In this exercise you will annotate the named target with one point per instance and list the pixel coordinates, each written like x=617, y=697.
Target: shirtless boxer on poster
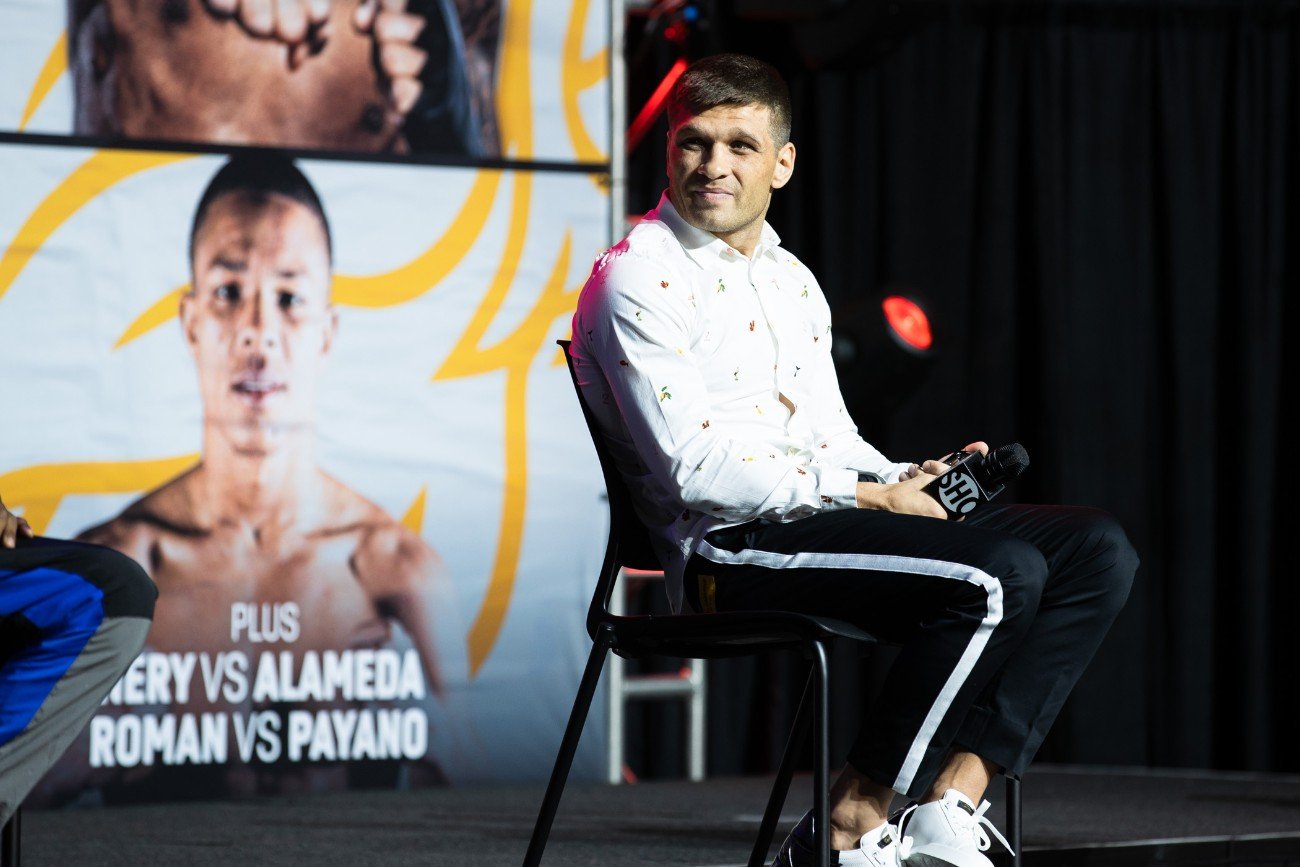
x=361, y=75
x=257, y=521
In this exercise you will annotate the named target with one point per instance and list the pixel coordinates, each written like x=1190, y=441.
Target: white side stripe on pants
x=887, y=563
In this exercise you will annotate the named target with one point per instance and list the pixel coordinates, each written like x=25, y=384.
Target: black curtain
x=1097, y=203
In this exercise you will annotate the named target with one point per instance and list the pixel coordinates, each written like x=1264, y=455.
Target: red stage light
x=650, y=111
x=908, y=322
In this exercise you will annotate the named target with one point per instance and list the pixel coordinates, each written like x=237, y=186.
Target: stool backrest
x=629, y=542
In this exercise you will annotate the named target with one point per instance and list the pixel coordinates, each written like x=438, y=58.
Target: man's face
x=722, y=168
x=258, y=318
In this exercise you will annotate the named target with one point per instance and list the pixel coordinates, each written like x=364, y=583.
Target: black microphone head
x=1004, y=463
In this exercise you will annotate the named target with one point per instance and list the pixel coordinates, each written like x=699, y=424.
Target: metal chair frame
x=706, y=636
x=11, y=838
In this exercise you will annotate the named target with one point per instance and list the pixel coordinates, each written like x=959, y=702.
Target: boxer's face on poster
x=259, y=320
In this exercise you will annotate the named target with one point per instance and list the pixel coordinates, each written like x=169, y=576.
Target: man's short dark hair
x=733, y=79
x=260, y=174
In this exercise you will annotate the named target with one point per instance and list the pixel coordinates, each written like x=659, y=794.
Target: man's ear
x=784, y=165
x=331, y=330
x=187, y=315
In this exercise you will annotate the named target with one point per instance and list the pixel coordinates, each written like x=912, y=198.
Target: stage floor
x=1072, y=816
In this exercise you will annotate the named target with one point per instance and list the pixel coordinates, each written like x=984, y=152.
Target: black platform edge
x=1256, y=850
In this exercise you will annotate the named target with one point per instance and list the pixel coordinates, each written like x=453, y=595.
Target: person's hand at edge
x=11, y=526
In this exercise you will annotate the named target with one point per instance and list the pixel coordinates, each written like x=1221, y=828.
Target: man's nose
x=714, y=164
x=260, y=330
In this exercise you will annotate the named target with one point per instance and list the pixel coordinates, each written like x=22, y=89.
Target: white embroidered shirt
x=710, y=376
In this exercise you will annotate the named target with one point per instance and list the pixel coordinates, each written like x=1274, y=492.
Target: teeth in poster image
x=430, y=78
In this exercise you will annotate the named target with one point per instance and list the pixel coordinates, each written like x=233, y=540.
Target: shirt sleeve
x=640, y=323
x=833, y=428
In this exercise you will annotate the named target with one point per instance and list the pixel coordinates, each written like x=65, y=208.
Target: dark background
x=1096, y=203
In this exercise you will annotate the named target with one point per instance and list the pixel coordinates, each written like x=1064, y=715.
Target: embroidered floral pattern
x=664, y=394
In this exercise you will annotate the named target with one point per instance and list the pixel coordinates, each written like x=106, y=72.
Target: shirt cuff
x=841, y=486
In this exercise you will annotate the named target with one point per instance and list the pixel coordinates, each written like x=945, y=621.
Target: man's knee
x=1021, y=572
x=1012, y=574
x=1105, y=556
x=128, y=589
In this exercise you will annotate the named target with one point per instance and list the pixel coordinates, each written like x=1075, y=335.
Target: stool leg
x=568, y=746
x=781, y=786
x=1013, y=819
x=11, y=840
x=821, y=760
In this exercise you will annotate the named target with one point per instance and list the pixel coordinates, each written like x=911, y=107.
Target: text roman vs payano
x=235, y=683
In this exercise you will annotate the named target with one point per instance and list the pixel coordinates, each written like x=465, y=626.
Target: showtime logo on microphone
x=958, y=491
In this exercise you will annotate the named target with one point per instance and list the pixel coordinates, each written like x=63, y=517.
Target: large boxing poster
x=319, y=399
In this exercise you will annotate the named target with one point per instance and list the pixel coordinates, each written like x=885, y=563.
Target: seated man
x=72, y=618
x=704, y=349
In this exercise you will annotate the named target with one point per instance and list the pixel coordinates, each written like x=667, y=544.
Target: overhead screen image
x=427, y=77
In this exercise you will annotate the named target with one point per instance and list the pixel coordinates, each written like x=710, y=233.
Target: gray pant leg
x=69, y=706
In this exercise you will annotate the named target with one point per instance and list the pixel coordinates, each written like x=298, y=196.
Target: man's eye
x=290, y=300
x=228, y=292
x=742, y=146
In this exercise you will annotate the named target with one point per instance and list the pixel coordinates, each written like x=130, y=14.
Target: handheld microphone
x=975, y=479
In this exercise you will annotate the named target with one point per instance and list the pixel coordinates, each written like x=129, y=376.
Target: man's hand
x=11, y=526
x=400, y=61
x=905, y=497
x=940, y=466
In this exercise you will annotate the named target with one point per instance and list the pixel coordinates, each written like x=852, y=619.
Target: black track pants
x=997, y=617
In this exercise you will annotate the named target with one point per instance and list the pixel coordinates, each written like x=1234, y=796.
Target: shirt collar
x=702, y=246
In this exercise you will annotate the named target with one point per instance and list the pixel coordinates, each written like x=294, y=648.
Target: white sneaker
x=949, y=832
x=878, y=848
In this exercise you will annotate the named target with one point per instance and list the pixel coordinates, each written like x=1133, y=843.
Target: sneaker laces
x=978, y=826
x=904, y=848
x=974, y=824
